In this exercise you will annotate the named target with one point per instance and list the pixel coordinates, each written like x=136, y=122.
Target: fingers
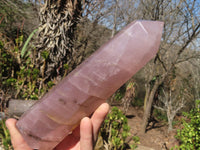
x=98, y=118
x=88, y=131
x=86, y=140
x=16, y=138
x=71, y=141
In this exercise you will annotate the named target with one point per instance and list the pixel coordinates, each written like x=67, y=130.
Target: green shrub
x=115, y=131
x=137, y=102
x=5, y=136
x=189, y=135
x=6, y=63
x=136, y=141
x=19, y=76
x=160, y=115
x=119, y=94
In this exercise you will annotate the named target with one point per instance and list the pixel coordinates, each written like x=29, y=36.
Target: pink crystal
x=90, y=84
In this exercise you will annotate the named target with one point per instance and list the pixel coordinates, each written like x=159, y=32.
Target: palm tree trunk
x=55, y=47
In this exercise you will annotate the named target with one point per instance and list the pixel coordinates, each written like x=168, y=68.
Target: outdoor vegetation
x=42, y=41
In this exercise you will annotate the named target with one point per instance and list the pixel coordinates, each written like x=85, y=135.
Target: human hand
x=82, y=138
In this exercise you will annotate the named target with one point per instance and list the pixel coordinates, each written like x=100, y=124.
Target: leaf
x=24, y=49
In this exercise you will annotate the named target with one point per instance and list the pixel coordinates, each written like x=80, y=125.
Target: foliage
x=17, y=17
x=189, y=135
x=19, y=75
x=160, y=115
x=115, y=131
x=24, y=49
x=136, y=141
x=7, y=67
x=5, y=136
x=137, y=102
x=119, y=94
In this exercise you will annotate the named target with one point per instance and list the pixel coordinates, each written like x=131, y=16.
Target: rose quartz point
x=50, y=120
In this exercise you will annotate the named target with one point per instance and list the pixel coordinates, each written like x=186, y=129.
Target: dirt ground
x=156, y=138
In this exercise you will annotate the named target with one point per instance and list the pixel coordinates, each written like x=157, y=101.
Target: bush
x=115, y=131
x=160, y=115
x=189, y=135
x=19, y=75
x=5, y=136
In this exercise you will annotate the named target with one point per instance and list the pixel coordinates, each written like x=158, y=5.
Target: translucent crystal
x=90, y=84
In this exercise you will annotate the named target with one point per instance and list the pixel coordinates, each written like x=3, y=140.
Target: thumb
x=16, y=138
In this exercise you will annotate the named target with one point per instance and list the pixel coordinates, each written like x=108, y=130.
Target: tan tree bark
x=55, y=46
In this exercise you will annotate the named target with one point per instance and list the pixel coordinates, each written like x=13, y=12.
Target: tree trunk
x=170, y=127
x=55, y=46
x=147, y=86
x=149, y=103
x=115, y=20
x=170, y=116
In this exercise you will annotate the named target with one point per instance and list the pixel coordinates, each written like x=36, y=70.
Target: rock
x=18, y=107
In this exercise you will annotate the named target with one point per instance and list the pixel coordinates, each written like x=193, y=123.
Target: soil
x=156, y=137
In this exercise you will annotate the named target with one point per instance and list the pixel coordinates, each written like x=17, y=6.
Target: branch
x=188, y=58
x=162, y=63
x=194, y=34
x=160, y=108
x=180, y=105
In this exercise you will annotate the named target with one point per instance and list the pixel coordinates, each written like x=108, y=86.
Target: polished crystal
x=90, y=84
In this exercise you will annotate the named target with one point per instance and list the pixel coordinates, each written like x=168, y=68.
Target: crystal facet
x=90, y=84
